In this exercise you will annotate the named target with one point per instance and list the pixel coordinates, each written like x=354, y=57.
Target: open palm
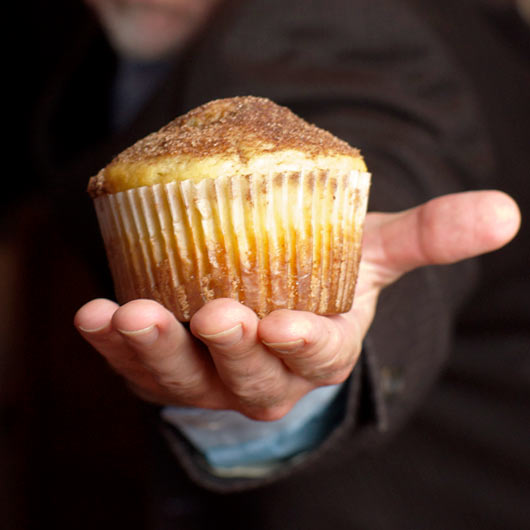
x=230, y=359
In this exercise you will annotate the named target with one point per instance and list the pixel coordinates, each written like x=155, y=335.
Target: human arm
x=263, y=368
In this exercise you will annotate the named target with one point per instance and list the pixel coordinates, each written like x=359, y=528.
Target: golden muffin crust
x=234, y=136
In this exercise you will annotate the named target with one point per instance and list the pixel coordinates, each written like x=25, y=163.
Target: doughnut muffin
x=238, y=198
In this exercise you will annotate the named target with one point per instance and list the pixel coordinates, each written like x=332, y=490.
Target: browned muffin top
x=217, y=136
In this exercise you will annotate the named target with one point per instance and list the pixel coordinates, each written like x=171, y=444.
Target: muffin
x=238, y=198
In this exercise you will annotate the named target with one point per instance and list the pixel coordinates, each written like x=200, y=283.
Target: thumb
x=444, y=230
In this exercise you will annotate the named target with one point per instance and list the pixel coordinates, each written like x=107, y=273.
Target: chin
x=146, y=39
x=146, y=34
x=144, y=49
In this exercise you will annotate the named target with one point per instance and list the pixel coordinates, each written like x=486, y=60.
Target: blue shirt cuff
x=227, y=439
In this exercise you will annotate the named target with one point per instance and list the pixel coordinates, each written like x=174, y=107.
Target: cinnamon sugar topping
x=223, y=126
x=237, y=128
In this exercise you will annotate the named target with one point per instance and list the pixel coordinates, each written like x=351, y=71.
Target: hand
x=232, y=360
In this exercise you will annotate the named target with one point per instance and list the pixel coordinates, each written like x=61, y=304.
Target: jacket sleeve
x=371, y=72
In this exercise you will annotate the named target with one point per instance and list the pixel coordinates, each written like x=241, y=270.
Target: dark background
x=74, y=447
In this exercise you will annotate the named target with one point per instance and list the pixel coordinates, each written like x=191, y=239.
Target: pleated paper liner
x=283, y=240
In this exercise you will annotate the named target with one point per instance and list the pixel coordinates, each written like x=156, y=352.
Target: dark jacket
x=375, y=73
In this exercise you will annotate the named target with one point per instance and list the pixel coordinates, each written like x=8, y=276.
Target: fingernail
x=226, y=338
x=285, y=347
x=144, y=336
x=92, y=330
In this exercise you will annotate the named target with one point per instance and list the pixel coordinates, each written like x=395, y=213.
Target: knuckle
x=328, y=351
x=333, y=378
x=266, y=412
x=262, y=399
x=187, y=390
x=142, y=392
x=252, y=387
x=333, y=364
x=335, y=347
x=334, y=372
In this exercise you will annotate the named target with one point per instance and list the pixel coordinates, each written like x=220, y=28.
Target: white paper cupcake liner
x=282, y=240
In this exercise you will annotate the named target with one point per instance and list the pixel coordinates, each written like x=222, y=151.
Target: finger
x=320, y=349
x=95, y=315
x=165, y=349
x=441, y=231
x=258, y=380
x=94, y=323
